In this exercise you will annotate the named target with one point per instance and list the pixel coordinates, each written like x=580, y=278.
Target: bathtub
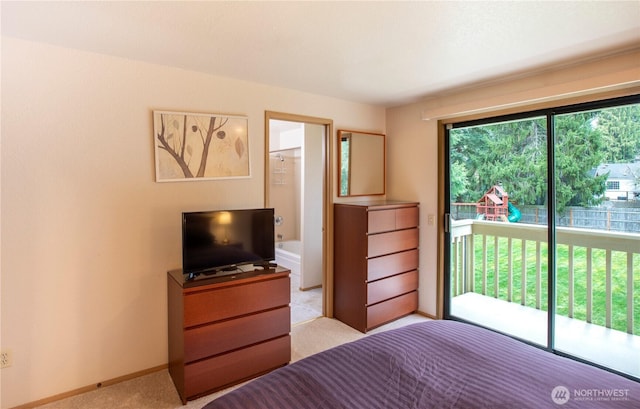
x=288, y=255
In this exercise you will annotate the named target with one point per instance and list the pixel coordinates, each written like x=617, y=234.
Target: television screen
x=223, y=239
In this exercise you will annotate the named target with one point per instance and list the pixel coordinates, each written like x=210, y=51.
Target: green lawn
x=618, y=282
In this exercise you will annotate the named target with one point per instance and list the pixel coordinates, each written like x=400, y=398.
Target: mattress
x=435, y=364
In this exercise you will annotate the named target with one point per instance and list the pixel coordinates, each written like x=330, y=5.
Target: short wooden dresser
x=375, y=262
x=227, y=329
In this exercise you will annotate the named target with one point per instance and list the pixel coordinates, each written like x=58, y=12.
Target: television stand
x=226, y=329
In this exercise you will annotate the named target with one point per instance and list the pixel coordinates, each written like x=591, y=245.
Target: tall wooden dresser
x=375, y=262
x=224, y=330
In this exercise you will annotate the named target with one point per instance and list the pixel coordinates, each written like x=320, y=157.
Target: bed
x=435, y=364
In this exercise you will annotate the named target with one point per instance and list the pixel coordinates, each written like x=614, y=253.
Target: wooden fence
x=622, y=219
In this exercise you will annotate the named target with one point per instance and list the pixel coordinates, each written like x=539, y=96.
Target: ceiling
x=378, y=52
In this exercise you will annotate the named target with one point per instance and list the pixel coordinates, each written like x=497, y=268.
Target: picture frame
x=197, y=146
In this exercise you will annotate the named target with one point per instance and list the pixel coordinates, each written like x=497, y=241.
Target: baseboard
x=424, y=314
x=90, y=388
x=310, y=288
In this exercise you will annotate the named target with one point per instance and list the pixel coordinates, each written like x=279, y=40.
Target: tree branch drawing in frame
x=190, y=146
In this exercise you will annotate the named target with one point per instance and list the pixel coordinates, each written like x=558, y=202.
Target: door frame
x=327, y=204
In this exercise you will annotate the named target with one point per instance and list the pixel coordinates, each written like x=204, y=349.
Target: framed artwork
x=191, y=146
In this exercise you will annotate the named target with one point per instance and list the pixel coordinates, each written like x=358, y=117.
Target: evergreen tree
x=513, y=154
x=509, y=153
x=620, y=128
x=458, y=182
x=579, y=150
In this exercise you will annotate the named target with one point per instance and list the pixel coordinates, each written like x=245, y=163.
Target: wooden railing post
x=470, y=266
x=509, y=269
x=538, y=276
x=484, y=264
x=523, y=274
x=608, y=297
x=571, y=281
x=589, y=285
x=496, y=267
x=630, y=293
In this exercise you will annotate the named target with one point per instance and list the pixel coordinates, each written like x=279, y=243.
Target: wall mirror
x=361, y=162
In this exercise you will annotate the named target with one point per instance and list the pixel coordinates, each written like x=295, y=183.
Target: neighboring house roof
x=619, y=171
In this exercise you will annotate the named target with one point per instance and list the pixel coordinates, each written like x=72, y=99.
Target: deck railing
x=508, y=261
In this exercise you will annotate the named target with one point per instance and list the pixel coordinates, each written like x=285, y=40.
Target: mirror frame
x=339, y=163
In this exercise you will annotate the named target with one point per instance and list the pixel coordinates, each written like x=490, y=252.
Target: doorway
x=296, y=186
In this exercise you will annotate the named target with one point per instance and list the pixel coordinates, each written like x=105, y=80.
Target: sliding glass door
x=499, y=260
x=597, y=297
x=544, y=229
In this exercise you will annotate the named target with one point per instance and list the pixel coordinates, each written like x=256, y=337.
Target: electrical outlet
x=5, y=359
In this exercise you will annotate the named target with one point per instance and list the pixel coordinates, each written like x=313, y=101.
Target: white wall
x=412, y=174
x=87, y=234
x=311, y=206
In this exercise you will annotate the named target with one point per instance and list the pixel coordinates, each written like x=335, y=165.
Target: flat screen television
x=222, y=240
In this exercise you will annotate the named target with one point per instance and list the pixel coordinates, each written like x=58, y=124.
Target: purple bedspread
x=436, y=364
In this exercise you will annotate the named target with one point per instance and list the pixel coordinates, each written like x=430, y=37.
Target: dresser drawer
x=222, y=336
x=222, y=370
x=389, y=310
x=227, y=302
x=407, y=217
x=381, y=220
x=391, y=264
x=392, y=219
x=392, y=242
x=390, y=287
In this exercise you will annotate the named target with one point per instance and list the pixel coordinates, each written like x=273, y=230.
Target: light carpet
x=156, y=390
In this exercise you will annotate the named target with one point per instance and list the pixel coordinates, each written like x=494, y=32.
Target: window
x=613, y=185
